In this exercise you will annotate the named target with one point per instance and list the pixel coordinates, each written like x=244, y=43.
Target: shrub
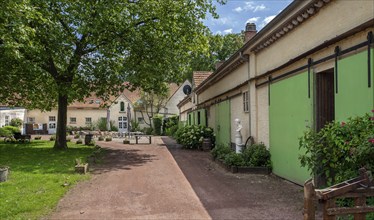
x=234, y=159
x=256, y=155
x=68, y=139
x=76, y=136
x=157, y=122
x=100, y=138
x=171, y=125
x=220, y=151
x=79, y=141
x=10, y=130
x=192, y=136
x=16, y=122
x=38, y=137
x=134, y=126
x=52, y=138
x=101, y=124
x=148, y=131
x=5, y=133
x=337, y=151
x=108, y=139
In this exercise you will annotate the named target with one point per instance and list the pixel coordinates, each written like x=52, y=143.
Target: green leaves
x=339, y=149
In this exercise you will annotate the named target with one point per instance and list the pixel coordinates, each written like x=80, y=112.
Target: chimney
x=250, y=31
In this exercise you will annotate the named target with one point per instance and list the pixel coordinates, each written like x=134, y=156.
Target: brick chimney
x=250, y=31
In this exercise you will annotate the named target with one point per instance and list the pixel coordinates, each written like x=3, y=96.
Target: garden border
x=236, y=169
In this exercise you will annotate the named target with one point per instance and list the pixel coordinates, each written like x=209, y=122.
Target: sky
x=234, y=15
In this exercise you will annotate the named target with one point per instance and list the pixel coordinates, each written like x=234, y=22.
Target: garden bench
x=22, y=137
x=137, y=137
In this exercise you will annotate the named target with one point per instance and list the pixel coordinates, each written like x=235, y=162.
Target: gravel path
x=137, y=182
x=237, y=196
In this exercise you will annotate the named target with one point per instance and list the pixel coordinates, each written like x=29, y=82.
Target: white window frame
x=52, y=118
x=88, y=120
x=31, y=120
x=246, y=101
x=73, y=121
x=7, y=120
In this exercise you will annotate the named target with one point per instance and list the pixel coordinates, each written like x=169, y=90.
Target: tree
x=16, y=122
x=151, y=103
x=55, y=52
x=221, y=47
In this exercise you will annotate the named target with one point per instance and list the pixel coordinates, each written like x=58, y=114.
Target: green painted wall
x=290, y=113
x=354, y=97
x=223, y=125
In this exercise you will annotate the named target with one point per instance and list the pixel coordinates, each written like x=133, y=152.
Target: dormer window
x=91, y=101
x=122, y=107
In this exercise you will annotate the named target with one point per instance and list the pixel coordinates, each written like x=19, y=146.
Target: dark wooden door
x=325, y=107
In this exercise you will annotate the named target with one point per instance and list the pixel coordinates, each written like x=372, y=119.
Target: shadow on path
x=122, y=159
x=236, y=196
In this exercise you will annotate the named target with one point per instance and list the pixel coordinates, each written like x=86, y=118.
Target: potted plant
x=108, y=139
x=4, y=173
x=126, y=141
x=80, y=167
x=100, y=138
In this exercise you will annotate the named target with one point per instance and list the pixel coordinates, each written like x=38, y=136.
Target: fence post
x=309, y=200
x=360, y=201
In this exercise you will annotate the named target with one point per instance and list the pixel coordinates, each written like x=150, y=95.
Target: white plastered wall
x=238, y=112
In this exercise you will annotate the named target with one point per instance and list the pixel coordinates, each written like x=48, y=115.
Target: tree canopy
x=220, y=48
x=58, y=51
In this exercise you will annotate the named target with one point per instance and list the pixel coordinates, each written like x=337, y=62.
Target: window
x=245, y=102
x=52, y=118
x=31, y=120
x=88, y=121
x=73, y=120
x=52, y=125
x=91, y=101
x=97, y=101
x=198, y=118
x=122, y=107
x=7, y=120
x=141, y=120
x=122, y=122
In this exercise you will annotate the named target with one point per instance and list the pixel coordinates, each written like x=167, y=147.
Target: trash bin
x=88, y=139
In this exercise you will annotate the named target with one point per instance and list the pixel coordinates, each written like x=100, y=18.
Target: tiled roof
x=199, y=77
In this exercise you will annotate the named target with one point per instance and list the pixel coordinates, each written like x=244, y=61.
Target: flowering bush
x=192, y=136
x=337, y=151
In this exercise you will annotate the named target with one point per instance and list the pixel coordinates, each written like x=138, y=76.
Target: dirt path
x=237, y=196
x=137, y=182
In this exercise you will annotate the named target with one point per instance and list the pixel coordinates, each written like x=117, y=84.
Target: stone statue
x=238, y=125
x=238, y=136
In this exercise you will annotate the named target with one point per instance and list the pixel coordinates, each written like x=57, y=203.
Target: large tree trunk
x=60, y=142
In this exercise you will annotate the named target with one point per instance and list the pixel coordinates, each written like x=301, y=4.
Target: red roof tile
x=199, y=77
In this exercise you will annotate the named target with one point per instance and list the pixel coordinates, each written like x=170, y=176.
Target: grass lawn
x=36, y=178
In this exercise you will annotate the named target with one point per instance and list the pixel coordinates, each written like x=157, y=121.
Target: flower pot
x=4, y=174
x=81, y=168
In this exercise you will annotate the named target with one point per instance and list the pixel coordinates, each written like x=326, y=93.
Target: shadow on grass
x=122, y=159
x=39, y=157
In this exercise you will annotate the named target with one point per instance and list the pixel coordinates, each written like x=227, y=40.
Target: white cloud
x=259, y=8
x=238, y=9
x=268, y=19
x=228, y=31
x=223, y=20
x=251, y=6
x=253, y=20
x=218, y=32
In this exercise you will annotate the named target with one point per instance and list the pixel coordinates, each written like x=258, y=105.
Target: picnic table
x=137, y=137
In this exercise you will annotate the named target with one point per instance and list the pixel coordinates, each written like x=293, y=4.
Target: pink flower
x=372, y=110
x=372, y=118
x=347, y=142
x=371, y=140
x=343, y=123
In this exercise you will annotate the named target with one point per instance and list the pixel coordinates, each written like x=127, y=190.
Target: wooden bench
x=137, y=137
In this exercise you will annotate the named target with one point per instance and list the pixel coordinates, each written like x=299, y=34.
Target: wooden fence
x=359, y=188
